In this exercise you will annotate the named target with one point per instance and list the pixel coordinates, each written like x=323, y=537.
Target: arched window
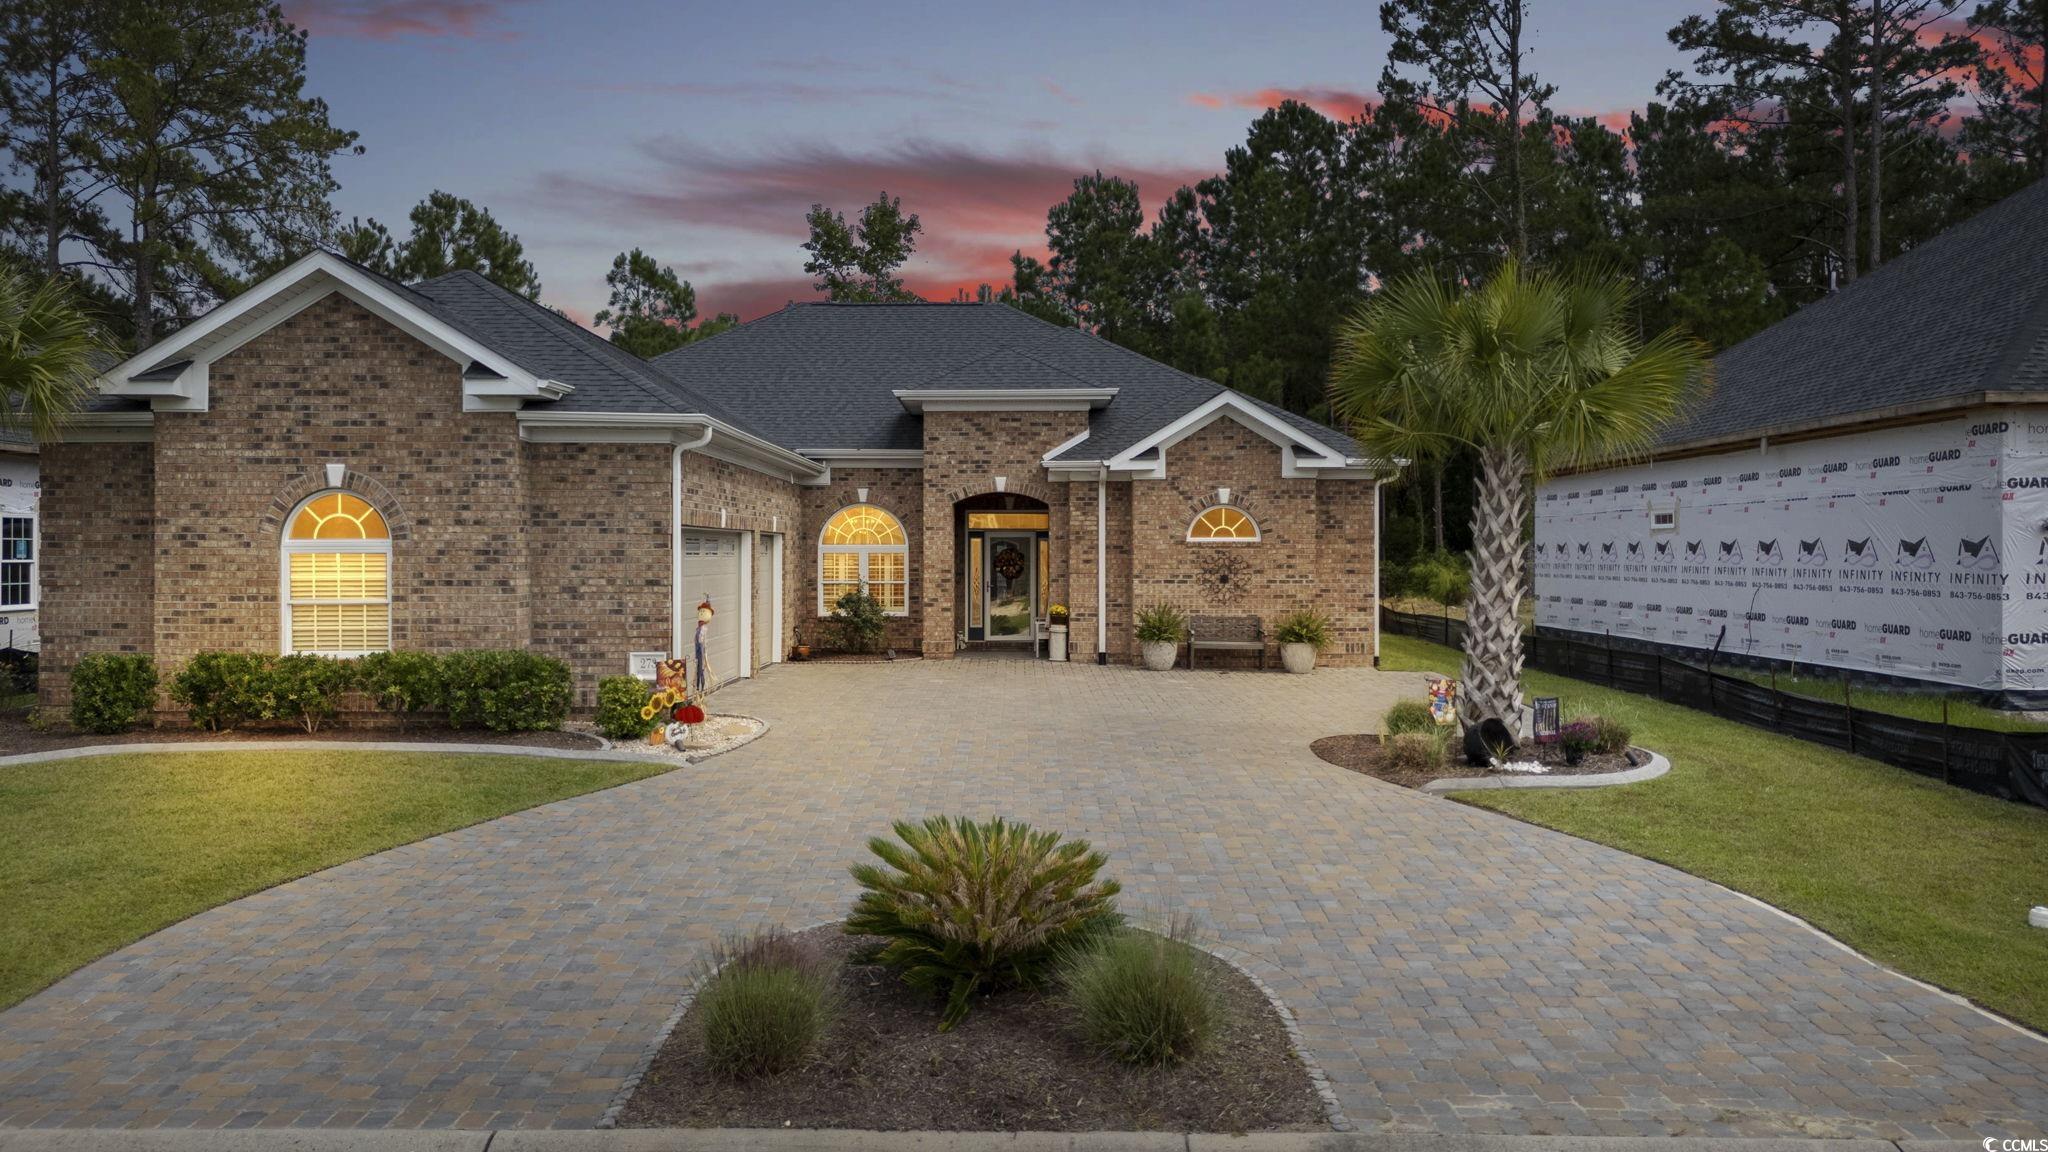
x=1223, y=523
x=863, y=545
x=337, y=577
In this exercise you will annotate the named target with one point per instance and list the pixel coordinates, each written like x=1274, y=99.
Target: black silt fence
x=2009, y=765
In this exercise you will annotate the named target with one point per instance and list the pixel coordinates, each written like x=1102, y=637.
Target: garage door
x=711, y=570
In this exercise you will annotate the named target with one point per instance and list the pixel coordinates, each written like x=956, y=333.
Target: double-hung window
x=17, y=561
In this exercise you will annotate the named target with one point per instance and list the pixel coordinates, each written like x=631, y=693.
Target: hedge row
x=504, y=691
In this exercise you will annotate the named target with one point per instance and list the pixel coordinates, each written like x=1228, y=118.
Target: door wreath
x=1009, y=563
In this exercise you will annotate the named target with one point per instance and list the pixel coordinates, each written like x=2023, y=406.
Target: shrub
x=1578, y=738
x=219, y=690
x=764, y=1006
x=18, y=671
x=967, y=905
x=304, y=689
x=505, y=690
x=1142, y=998
x=1408, y=716
x=1416, y=751
x=108, y=691
x=1161, y=624
x=404, y=684
x=1307, y=626
x=1612, y=736
x=620, y=700
x=1444, y=577
x=858, y=621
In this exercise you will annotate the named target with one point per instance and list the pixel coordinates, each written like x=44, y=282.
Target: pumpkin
x=688, y=714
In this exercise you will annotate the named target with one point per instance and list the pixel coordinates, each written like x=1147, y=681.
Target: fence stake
x=1660, y=675
x=1777, y=700
x=1848, y=713
x=1944, y=740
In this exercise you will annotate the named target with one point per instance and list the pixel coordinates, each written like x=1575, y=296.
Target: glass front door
x=1011, y=571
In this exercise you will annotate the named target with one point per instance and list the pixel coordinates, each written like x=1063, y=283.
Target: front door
x=1011, y=571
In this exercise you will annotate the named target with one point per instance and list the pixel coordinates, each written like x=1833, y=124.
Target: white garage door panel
x=711, y=570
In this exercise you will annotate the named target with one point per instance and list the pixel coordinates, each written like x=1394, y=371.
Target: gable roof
x=824, y=376
x=1964, y=314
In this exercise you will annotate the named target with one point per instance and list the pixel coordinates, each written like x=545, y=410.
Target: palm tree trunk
x=1493, y=635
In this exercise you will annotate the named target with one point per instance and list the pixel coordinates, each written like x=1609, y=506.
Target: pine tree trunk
x=53, y=176
x=1493, y=635
x=1514, y=111
x=1845, y=96
x=1437, y=481
x=145, y=285
x=1878, y=11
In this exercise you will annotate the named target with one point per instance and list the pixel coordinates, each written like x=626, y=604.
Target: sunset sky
x=703, y=132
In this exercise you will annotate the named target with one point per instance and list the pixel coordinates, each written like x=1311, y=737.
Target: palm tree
x=1534, y=371
x=50, y=349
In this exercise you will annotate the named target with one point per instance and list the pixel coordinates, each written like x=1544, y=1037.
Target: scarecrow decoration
x=703, y=638
x=672, y=695
x=1443, y=700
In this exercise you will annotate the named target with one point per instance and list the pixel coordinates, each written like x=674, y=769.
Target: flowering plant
x=1579, y=737
x=1057, y=614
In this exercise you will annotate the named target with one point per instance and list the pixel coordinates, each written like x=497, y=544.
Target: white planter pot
x=1299, y=659
x=1159, y=655
x=1056, y=643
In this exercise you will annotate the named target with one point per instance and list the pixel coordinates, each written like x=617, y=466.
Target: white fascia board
x=1003, y=399
x=1049, y=458
x=1230, y=404
x=284, y=294
x=107, y=428
x=865, y=457
x=730, y=444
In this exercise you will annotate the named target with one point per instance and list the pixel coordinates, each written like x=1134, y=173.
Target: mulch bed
x=1012, y=1065
x=817, y=657
x=17, y=737
x=1363, y=753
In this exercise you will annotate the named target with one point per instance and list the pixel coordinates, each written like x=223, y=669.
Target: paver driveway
x=1451, y=969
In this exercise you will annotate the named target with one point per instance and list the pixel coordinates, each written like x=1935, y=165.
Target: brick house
x=334, y=462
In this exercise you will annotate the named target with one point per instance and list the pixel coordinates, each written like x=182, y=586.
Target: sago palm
x=1533, y=371
x=49, y=351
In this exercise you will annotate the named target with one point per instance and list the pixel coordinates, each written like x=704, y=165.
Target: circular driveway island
x=1451, y=970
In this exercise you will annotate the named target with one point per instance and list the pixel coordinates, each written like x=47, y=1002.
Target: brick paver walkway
x=1454, y=971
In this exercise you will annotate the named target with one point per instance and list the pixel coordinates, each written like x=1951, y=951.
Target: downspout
x=675, y=544
x=1101, y=566
x=1378, y=529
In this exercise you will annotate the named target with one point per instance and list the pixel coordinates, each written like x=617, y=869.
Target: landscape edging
x=1657, y=766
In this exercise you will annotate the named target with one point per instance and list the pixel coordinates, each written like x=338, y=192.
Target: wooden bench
x=1226, y=634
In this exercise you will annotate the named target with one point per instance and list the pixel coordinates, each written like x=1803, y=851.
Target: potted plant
x=1160, y=630
x=1056, y=641
x=803, y=650
x=1302, y=634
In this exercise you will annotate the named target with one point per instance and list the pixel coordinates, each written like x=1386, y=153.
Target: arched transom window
x=863, y=545
x=337, y=577
x=1223, y=523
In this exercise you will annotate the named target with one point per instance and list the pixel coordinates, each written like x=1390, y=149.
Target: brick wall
x=599, y=543
x=749, y=502
x=897, y=491
x=1082, y=518
x=963, y=453
x=1314, y=551
x=337, y=383
x=97, y=570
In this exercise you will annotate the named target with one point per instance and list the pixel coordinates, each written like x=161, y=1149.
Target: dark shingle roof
x=605, y=377
x=1966, y=312
x=13, y=438
x=825, y=375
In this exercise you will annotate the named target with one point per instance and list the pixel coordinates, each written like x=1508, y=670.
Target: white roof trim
x=1227, y=403
x=287, y=292
x=1004, y=399
x=1048, y=459
x=731, y=444
x=866, y=457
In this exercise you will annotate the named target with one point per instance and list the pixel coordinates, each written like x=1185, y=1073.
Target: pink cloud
x=396, y=19
x=977, y=206
x=1336, y=103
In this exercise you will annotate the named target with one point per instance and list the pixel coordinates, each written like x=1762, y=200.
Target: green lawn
x=1926, y=878
x=101, y=852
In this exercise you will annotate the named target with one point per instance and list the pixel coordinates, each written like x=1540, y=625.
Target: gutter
x=1102, y=567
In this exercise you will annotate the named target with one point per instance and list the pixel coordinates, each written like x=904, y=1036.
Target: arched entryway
x=1003, y=568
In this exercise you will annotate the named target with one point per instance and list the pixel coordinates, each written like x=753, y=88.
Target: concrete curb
x=840, y=1140
x=605, y=751
x=1657, y=766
